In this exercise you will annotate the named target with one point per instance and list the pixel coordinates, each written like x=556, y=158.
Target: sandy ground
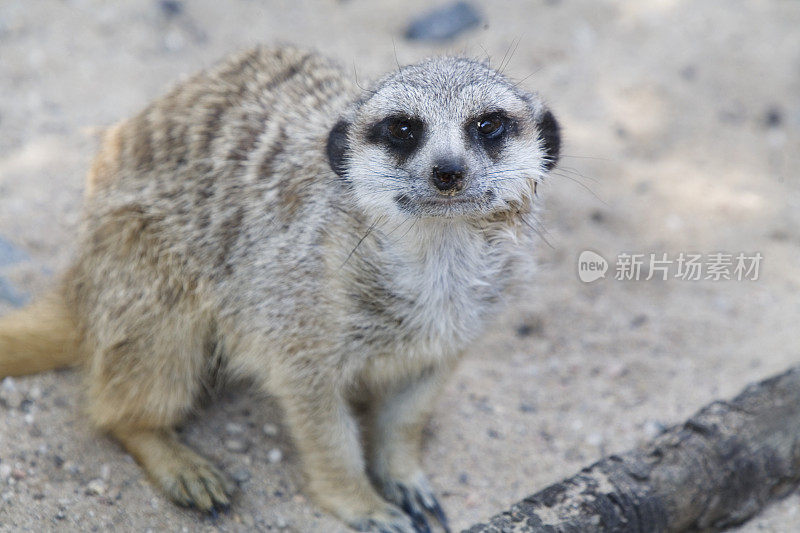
x=682, y=128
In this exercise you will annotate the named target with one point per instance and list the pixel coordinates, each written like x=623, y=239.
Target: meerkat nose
x=448, y=177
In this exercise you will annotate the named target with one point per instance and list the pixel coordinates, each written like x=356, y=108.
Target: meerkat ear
x=337, y=147
x=550, y=132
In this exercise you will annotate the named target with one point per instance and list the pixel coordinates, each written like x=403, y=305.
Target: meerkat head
x=447, y=137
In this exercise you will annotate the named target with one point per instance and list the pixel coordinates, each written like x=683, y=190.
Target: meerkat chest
x=445, y=289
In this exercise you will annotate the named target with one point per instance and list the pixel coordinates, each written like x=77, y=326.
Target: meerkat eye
x=398, y=133
x=401, y=130
x=490, y=126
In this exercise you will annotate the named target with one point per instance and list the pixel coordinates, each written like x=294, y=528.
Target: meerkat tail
x=39, y=337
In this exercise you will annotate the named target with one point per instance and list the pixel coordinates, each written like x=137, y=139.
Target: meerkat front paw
x=416, y=497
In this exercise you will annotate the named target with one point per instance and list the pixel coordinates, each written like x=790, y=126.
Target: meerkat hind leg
x=184, y=476
x=140, y=388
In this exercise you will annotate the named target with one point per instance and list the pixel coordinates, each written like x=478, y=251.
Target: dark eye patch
x=490, y=131
x=399, y=134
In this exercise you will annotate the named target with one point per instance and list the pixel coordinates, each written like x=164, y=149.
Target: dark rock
x=444, y=23
x=638, y=321
x=530, y=327
x=527, y=408
x=170, y=8
x=773, y=118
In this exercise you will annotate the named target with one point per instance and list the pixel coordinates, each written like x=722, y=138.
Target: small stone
x=18, y=474
x=532, y=326
x=95, y=487
x=26, y=406
x=594, y=439
x=232, y=428
x=72, y=468
x=105, y=500
x=5, y=471
x=241, y=475
x=444, y=23
x=598, y=217
x=174, y=40
x=527, y=408
x=281, y=522
x=105, y=472
x=236, y=445
x=493, y=434
x=270, y=430
x=274, y=455
x=616, y=370
x=463, y=478
x=58, y=461
x=10, y=396
x=653, y=428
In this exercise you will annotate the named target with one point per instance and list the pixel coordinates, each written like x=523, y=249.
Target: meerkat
x=339, y=247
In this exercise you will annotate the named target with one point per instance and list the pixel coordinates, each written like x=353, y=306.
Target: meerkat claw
x=414, y=511
x=436, y=510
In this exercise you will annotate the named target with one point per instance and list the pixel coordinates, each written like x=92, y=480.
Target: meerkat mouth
x=444, y=206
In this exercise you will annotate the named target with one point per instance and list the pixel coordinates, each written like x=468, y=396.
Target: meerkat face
x=448, y=137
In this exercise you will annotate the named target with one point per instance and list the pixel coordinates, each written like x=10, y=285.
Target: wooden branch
x=715, y=471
